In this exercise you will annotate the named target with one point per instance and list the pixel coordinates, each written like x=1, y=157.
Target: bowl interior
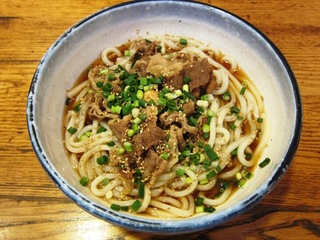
x=81, y=44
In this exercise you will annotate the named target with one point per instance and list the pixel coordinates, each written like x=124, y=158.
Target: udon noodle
x=165, y=126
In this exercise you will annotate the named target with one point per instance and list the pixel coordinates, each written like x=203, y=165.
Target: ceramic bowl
x=83, y=42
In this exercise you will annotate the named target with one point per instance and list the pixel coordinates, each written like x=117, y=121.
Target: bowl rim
x=144, y=224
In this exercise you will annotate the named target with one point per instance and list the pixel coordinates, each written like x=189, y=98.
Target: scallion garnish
x=102, y=159
x=77, y=108
x=136, y=205
x=84, y=181
x=72, y=130
x=234, y=110
x=211, y=174
x=210, y=153
x=183, y=41
x=264, y=162
x=115, y=207
x=226, y=95
x=180, y=172
x=111, y=144
x=209, y=209
x=259, y=120
x=128, y=146
x=243, y=90
x=141, y=190
x=105, y=181
x=101, y=129
x=198, y=201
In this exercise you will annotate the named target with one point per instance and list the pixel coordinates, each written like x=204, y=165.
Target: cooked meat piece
x=119, y=127
x=168, y=118
x=150, y=136
x=116, y=87
x=127, y=183
x=154, y=166
x=200, y=73
x=145, y=48
x=140, y=67
x=188, y=108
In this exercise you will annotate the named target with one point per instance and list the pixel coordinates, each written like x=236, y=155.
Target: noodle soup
x=165, y=126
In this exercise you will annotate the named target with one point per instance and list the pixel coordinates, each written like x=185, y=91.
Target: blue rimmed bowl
x=82, y=43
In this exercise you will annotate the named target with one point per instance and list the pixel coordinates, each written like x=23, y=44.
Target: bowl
x=81, y=44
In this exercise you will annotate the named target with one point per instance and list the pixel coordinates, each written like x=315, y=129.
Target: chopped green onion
x=111, y=97
x=72, y=130
x=260, y=120
x=264, y=162
x=206, y=128
x=116, y=109
x=186, y=79
x=105, y=181
x=234, y=110
x=211, y=113
x=204, y=181
x=135, y=127
x=232, y=126
x=248, y=156
x=234, y=152
x=84, y=181
x=131, y=132
x=239, y=118
x=127, y=53
x=141, y=190
x=111, y=144
x=148, y=41
x=243, y=90
x=199, y=201
x=111, y=76
x=165, y=156
x=183, y=41
x=218, y=168
x=102, y=159
x=199, y=209
x=180, y=172
x=128, y=146
x=120, y=151
x=104, y=71
x=144, y=81
x=107, y=87
x=139, y=94
x=99, y=84
x=77, y=108
x=226, y=95
x=211, y=174
x=101, y=129
x=125, y=209
x=241, y=182
x=115, y=207
x=188, y=95
x=162, y=102
x=210, y=153
x=136, y=205
x=209, y=209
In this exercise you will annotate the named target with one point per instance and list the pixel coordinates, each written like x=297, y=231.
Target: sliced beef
x=200, y=73
x=188, y=108
x=119, y=127
x=154, y=166
x=151, y=135
x=168, y=118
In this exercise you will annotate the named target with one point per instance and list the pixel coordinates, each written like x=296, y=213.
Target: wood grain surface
x=32, y=207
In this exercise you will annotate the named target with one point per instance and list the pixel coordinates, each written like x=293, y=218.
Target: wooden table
x=31, y=207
